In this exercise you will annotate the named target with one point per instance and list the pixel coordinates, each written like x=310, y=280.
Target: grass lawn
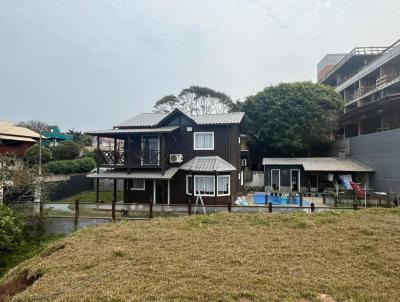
x=350, y=256
x=90, y=196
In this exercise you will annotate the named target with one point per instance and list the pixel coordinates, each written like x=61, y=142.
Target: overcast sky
x=89, y=64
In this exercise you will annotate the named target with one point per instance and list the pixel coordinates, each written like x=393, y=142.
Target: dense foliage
x=196, y=100
x=31, y=155
x=80, y=165
x=291, y=119
x=81, y=138
x=11, y=229
x=65, y=151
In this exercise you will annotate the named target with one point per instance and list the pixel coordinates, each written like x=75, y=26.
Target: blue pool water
x=259, y=198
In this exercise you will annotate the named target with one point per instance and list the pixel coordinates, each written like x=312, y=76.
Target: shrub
x=66, y=150
x=11, y=229
x=80, y=165
x=31, y=155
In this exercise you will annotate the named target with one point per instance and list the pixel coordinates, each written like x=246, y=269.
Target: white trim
x=298, y=180
x=229, y=185
x=187, y=184
x=169, y=192
x=279, y=179
x=154, y=191
x=203, y=176
x=194, y=140
x=138, y=189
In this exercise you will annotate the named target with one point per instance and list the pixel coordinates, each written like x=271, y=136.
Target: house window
x=189, y=184
x=223, y=185
x=150, y=150
x=204, y=185
x=137, y=185
x=203, y=140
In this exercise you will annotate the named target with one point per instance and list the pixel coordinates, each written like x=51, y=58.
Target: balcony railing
x=129, y=158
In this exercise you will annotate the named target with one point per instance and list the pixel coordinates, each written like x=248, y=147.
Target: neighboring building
x=105, y=143
x=312, y=174
x=368, y=79
x=55, y=136
x=14, y=140
x=327, y=63
x=168, y=156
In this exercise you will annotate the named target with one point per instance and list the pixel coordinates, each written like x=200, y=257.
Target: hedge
x=80, y=165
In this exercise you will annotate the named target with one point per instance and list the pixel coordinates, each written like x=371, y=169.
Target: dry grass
x=347, y=256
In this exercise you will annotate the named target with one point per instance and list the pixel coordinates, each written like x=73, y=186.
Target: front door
x=295, y=180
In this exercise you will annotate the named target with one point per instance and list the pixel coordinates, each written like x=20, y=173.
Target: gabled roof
x=9, y=129
x=155, y=119
x=327, y=164
x=207, y=164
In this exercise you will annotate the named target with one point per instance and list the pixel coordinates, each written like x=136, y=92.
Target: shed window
x=204, y=185
x=137, y=184
x=203, y=140
x=223, y=185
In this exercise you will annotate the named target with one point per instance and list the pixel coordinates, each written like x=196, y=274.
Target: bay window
x=204, y=185
x=223, y=185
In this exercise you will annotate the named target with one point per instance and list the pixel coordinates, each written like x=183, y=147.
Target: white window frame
x=194, y=140
x=138, y=189
x=298, y=181
x=279, y=178
x=229, y=185
x=203, y=176
x=187, y=184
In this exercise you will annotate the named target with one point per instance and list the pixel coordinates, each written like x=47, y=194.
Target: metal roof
x=144, y=174
x=17, y=138
x=153, y=119
x=12, y=130
x=207, y=164
x=139, y=130
x=328, y=164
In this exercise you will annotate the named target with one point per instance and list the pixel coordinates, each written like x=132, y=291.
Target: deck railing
x=129, y=158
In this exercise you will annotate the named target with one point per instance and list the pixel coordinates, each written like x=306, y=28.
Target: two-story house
x=174, y=157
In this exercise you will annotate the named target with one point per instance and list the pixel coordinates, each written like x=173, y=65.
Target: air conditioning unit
x=175, y=158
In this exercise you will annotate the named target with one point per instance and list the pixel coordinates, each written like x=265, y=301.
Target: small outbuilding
x=311, y=174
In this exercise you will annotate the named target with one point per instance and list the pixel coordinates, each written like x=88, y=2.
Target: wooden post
x=215, y=187
x=98, y=170
x=162, y=154
x=193, y=193
x=189, y=209
x=323, y=198
x=269, y=207
x=150, y=209
x=301, y=199
x=312, y=207
x=229, y=206
x=113, y=210
x=115, y=189
x=76, y=218
x=355, y=206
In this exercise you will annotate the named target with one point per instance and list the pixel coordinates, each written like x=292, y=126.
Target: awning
x=208, y=164
x=143, y=174
x=133, y=131
x=17, y=138
x=323, y=164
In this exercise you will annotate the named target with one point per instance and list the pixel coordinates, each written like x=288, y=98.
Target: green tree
x=80, y=138
x=196, y=100
x=31, y=155
x=66, y=150
x=291, y=119
x=11, y=229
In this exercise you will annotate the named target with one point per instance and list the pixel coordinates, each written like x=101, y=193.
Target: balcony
x=129, y=158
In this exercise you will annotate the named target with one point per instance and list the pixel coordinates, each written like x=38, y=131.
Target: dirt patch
x=18, y=284
x=50, y=251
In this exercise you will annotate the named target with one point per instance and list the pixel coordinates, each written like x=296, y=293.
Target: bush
x=11, y=230
x=66, y=150
x=31, y=155
x=81, y=165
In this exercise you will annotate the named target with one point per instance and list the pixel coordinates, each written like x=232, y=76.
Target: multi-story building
x=368, y=79
x=174, y=157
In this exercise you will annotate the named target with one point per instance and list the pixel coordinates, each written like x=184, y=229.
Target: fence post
x=300, y=199
x=266, y=198
x=151, y=209
x=189, y=209
x=269, y=207
x=113, y=210
x=355, y=206
x=76, y=218
x=312, y=207
x=229, y=206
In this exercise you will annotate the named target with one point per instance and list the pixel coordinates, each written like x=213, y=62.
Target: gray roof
x=152, y=119
x=327, y=164
x=139, y=130
x=207, y=164
x=143, y=174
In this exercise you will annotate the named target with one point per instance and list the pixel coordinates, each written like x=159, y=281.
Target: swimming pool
x=259, y=198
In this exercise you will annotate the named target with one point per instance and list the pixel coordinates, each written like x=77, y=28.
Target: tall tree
x=196, y=100
x=291, y=119
x=35, y=125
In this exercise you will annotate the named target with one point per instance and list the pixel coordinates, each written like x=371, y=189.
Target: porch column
x=98, y=169
x=169, y=191
x=193, y=193
x=115, y=190
x=154, y=191
x=215, y=187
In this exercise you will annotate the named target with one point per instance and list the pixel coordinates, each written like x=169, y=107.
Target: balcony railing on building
x=129, y=158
